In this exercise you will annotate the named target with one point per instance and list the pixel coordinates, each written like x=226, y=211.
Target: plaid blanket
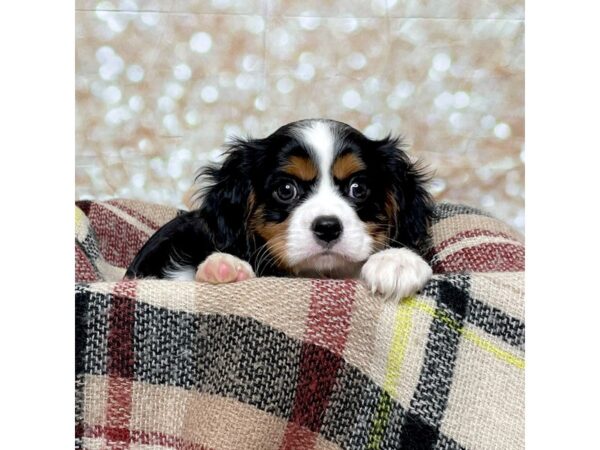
x=274, y=363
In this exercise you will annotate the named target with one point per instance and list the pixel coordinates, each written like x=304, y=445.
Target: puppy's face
x=323, y=198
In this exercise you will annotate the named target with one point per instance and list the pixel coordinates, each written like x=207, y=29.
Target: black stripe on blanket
x=421, y=426
x=496, y=323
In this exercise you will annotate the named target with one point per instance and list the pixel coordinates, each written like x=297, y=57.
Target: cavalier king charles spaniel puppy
x=316, y=198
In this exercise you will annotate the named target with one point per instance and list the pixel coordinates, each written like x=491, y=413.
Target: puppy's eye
x=286, y=192
x=358, y=190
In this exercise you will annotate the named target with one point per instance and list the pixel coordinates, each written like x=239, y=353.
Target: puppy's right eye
x=286, y=192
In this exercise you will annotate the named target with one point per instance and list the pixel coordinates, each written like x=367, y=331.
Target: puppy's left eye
x=286, y=192
x=358, y=190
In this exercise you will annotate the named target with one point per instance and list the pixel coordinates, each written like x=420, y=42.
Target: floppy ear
x=227, y=199
x=408, y=202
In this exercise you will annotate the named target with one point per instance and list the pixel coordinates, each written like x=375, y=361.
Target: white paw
x=396, y=273
x=223, y=268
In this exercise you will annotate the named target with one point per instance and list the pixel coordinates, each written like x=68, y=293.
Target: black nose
x=327, y=228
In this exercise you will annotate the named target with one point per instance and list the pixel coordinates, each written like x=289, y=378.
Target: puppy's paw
x=223, y=268
x=396, y=273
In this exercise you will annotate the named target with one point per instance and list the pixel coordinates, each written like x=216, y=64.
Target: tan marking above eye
x=347, y=165
x=302, y=168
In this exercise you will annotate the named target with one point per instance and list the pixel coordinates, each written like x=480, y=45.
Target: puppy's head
x=317, y=197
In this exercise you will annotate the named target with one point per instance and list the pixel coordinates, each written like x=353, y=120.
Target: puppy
x=316, y=198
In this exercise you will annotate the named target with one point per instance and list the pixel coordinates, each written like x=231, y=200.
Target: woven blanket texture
x=289, y=363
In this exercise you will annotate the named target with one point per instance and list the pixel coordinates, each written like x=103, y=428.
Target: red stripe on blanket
x=484, y=258
x=84, y=269
x=118, y=240
x=120, y=361
x=329, y=314
x=476, y=232
x=145, y=438
x=328, y=323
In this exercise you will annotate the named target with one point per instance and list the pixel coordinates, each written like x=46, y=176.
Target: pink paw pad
x=223, y=268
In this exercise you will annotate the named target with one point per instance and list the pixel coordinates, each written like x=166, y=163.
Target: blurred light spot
x=250, y=62
x=519, y=221
x=305, y=71
x=144, y=144
x=104, y=53
x=201, y=42
x=285, y=85
x=231, y=131
x=307, y=57
x=374, y=131
x=461, y=99
x=393, y=101
x=138, y=180
x=209, y=94
x=150, y=19
x=111, y=95
x=111, y=68
x=260, y=103
x=351, y=99
x=216, y=155
x=441, y=62
x=502, y=131
x=456, y=119
x=488, y=122
x=166, y=104
x=192, y=118
x=348, y=25
x=117, y=22
x=437, y=186
x=136, y=103
x=444, y=101
x=488, y=201
x=255, y=24
x=226, y=79
x=103, y=8
x=280, y=37
x=404, y=89
x=251, y=123
x=182, y=72
x=435, y=75
x=174, y=90
x=309, y=23
x=171, y=123
x=183, y=154
x=135, y=73
x=356, y=61
x=158, y=166
x=174, y=168
x=244, y=81
x=128, y=5
x=117, y=116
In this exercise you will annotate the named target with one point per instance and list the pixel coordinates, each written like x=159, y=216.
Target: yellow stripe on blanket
x=395, y=358
x=484, y=344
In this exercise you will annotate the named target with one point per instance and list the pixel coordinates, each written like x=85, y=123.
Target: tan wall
x=161, y=84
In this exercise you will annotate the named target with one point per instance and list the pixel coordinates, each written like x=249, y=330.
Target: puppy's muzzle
x=326, y=229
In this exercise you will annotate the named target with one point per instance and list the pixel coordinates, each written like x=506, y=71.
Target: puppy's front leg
x=223, y=268
x=396, y=273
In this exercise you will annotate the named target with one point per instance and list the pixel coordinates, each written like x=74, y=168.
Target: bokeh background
x=162, y=84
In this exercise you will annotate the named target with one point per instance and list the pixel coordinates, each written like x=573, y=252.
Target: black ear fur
x=414, y=205
x=226, y=199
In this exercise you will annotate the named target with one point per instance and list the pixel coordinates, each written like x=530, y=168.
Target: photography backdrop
x=162, y=84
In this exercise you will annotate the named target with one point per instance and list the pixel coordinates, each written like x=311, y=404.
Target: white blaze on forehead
x=320, y=140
